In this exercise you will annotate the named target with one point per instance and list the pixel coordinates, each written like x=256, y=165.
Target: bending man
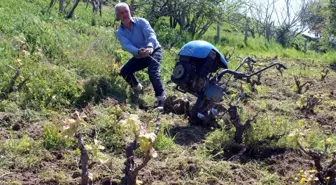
x=138, y=38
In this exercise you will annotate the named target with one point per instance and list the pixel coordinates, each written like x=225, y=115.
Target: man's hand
x=149, y=50
x=143, y=52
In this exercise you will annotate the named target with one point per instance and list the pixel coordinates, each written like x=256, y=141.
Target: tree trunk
x=67, y=5
x=183, y=18
x=252, y=33
x=61, y=6
x=261, y=30
x=84, y=158
x=94, y=7
x=246, y=29
x=132, y=6
x=99, y=6
x=52, y=3
x=217, y=37
x=70, y=14
x=268, y=28
x=203, y=30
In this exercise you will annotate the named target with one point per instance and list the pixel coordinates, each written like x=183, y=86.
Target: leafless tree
x=132, y=169
x=289, y=20
x=326, y=173
x=235, y=120
x=300, y=85
x=263, y=12
x=96, y=6
x=84, y=158
x=228, y=15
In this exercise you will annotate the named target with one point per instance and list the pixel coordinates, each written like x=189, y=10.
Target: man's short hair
x=120, y=5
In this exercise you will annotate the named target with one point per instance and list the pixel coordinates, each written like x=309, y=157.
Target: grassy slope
x=69, y=62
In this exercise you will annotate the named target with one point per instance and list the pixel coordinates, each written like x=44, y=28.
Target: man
x=138, y=38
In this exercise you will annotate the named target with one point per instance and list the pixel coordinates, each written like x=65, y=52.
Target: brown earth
x=184, y=165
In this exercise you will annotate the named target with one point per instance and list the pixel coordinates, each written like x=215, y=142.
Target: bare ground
x=184, y=164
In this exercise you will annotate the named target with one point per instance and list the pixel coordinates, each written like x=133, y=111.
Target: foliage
x=170, y=37
x=219, y=139
x=332, y=17
x=109, y=130
x=95, y=151
x=49, y=87
x=194, y=18
x=53, y=139
x=315, y=16
x=163, y=141
x=42, y=42
x=22, y=153
x=19, y=146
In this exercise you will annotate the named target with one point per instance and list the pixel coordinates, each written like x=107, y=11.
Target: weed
x=53, y=139
x=163, y=141
x=19, y=146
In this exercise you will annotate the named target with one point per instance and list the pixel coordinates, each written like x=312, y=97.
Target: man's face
x=124, y=15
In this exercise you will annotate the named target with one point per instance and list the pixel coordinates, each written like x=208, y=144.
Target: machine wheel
x=179, y=71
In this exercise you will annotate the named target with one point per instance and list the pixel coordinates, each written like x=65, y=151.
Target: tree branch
x=84, y=158
x=131, y=168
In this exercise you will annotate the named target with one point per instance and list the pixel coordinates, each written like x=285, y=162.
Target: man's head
x=123, y=12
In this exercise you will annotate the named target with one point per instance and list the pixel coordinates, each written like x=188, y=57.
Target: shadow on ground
x=245, y=154
x=100, y=88
x=188, y=135
x=333, y=66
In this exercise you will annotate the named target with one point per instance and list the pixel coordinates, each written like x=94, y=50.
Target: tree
x=232, y=13
x=96, y=6
x=332, y=17
x=264, y=12
x=194, y=17
x=321, y=20
x=289, y=22
x=316, y=17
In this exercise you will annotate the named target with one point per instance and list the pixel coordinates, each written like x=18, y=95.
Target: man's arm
x=127, y=45
x=149, y=33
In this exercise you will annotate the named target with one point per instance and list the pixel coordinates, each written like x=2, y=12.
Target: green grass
x=259, y=47
x=62, y=51
x=23, y=153
x=83, y=49
x=163, y=141
x=53, y=139
x=71, y=63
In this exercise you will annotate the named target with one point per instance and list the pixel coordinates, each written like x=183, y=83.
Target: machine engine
x=186, y=75
x=194, y=74
x=198, y=60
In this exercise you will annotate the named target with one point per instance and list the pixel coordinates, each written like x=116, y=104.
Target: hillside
x=52, y=67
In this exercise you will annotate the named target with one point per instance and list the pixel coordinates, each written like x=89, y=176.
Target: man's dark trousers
x=136, y=64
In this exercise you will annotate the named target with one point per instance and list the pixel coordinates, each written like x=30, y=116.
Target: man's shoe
x=138, y=89
x=160, y=103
